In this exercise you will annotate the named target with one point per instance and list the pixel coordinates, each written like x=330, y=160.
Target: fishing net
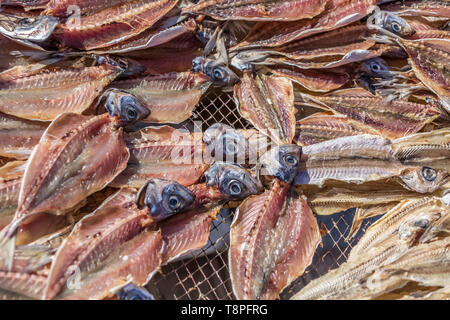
x=204, y=274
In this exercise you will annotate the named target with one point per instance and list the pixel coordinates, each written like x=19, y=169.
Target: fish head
x=412, y=230
x=217, y=71
x=244, y=60
x=233, y=181
x=34, y=29
x=425, y=179
x=163, y=198
x=224, y=142
x=376, y=67
x=125, y=107
x=281, y=162
x=394, y=24
x=131, y=292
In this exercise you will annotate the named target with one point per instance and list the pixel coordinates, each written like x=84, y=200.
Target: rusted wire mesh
x=204, y=274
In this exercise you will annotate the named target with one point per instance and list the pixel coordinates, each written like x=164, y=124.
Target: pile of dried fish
x=101, y=185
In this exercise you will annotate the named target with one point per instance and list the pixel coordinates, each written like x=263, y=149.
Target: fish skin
x=430, y=60
x=113, y=25
x=170, y=97
x=338, y=13
x=10, y=180
x=257, y=261
x=186, y=232
x=46, y=95
x=256, y=10
x=71, y=140
x=95, y=236
x=321, y=127
x=133, y=262
x=267, y=102
x=18, y=137
x=391, y=119
x=164, y=153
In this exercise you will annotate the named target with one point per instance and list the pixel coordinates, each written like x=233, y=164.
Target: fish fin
x=7, y=248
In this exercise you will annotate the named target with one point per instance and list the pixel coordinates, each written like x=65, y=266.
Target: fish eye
x=290, y=160
x=219, y=74
x=131, y=113
x=235, y=188
x=429, y=174
x=26, y=21
x=375, y=67
x=396, y=27
x=174, y=202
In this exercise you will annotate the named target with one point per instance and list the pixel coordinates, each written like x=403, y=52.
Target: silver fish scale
x=204, y=274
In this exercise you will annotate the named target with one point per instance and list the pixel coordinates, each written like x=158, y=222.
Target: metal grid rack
x=204, y=274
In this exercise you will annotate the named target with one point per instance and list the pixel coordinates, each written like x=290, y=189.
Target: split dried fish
x=286, y=10
x=164, y=153
x=112, y=24
x=52, y=92
x=73, y=148
x=391, y=119
x=273, y=239
x=170, y=98
x=268, y=103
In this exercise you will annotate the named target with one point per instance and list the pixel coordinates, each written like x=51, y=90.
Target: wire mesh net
x=204, y=274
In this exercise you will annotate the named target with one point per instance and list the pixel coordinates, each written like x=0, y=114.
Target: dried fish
x=171, y=97
x=391, y=119
x=420, y=8
x=268, y=103
x=51, y=92
x=339, y=13
x=273, y=239
x=429, y=60
x=164, y=153
x=321, y=127
x=26, y=4
x=386, y=226
x=113, y=24
x=280, y=162
x=286, y=10
x=134, y=262
x=116, y=221
x=77, y=156
x=27, y=30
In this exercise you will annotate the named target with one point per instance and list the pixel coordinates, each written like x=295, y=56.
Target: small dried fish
x=134, y=262
x=116, y=221
x=430, y=60
x=164, y=153
x=27, y=30
x=170, y=97
x=339, y=13
x=437, y=8
x=388, y=224
x=391, y=119
x=113, y=24
x=53, y=91
x=77, y=156
x=257, y=10
x=273, y=239
x=321, y=127
x=268, y=103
